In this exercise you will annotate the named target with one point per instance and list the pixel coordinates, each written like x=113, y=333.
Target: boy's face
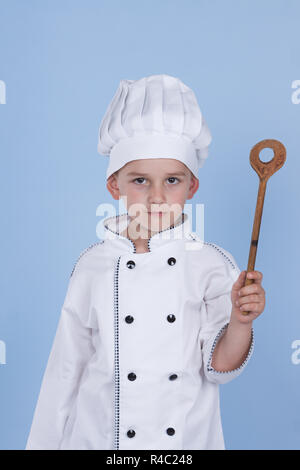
x=153, y=190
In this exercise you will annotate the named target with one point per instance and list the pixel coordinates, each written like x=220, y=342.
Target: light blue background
x=62, y=62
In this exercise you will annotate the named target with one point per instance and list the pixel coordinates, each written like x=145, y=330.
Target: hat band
x=144, y=146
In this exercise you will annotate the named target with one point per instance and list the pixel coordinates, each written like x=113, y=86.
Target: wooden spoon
x=264, y=171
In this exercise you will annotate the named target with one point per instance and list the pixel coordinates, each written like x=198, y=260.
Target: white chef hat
x=154, y=117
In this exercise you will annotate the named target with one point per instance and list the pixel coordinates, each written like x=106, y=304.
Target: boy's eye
x=140, y=178
x=172, y=178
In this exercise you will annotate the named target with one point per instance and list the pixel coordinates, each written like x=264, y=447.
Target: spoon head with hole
x=267, y=169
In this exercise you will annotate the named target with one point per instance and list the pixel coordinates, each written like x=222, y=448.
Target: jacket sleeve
x=71, y=349
x=215, y=313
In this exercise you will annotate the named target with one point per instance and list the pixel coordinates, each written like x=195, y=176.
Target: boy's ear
x=112, y=186
x=194, y=185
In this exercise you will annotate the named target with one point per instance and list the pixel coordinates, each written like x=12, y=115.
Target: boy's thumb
x=240, y=281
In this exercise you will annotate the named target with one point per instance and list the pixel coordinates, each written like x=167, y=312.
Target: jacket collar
x=115, y=225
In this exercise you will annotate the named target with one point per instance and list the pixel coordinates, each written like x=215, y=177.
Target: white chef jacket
x=130, y=365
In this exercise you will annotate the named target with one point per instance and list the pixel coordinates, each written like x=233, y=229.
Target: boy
x=152, y=321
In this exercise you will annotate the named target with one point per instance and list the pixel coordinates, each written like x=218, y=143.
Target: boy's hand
x=251, y=298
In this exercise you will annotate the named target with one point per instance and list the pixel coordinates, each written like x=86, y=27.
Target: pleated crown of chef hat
x=154, y=117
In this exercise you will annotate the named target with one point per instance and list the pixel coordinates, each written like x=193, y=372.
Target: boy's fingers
x=239, y=287
x=255, y=275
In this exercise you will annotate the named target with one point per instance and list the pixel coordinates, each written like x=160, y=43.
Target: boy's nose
x=157, y=202
x=156, y=196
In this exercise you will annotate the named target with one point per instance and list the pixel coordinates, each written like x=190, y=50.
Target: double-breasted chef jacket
x=130, y=365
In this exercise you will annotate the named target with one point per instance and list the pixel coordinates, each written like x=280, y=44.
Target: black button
x=130, y=264
x=171, y=318
x=131, y=433
x=170, y=431
x=171, y=261
x=129, y=319
x=131, y=376
x=173, y=377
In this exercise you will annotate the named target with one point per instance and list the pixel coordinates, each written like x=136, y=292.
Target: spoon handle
x=255, y=231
